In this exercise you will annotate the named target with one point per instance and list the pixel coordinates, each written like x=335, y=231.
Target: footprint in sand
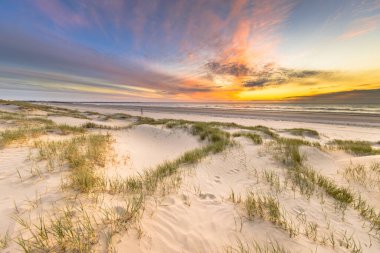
x=217, y=179
x=233, y=171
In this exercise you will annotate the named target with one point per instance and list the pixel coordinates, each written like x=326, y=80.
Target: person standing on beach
x=142, y=111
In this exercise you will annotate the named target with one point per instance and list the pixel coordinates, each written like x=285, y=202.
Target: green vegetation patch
x=264, y=207
x=28, y=106
x=119, y=116
x=303, y=132
x=355, y=147
x=9, y=137
x=255, y=138
x=82, y=155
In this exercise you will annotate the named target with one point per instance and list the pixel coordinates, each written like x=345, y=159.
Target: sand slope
x=205, y=210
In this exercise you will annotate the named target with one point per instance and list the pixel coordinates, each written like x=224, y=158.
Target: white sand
x=200, y=216
x=144, y=147
x=25, y=186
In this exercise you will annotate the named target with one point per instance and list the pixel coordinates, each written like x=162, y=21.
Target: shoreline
x=331, y=118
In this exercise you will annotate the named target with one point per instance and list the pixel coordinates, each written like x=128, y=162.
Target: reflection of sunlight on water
x=343, y=108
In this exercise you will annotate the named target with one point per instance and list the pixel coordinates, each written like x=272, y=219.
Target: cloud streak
x=361, y=27
x=157, y=49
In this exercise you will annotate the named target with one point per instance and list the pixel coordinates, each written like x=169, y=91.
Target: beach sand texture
x=81, y=178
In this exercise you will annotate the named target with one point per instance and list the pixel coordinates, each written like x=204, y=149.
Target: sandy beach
x=140, y=126
x=339, y=118
x=85, y=178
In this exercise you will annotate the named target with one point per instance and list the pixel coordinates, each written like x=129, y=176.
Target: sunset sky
x=190, y=50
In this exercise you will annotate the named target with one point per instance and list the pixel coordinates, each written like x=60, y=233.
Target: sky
x=190, y=50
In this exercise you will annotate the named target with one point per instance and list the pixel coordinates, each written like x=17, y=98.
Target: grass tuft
x=9, y=137
x=255, y=247
x=4, y=241
x=119, y=116
x=355, y=147
x=265, y=207
x=303, y=132
x=367, y=176
x=82, y=155
x=28, y=106
x=254, y=137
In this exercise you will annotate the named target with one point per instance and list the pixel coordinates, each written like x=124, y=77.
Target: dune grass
x=82, y=155
x=65, y=129
x=264, y=207
x=52, y=110
x=255, y=138
x=147, y=184
x=92, y=125
x=174, y=123
x=217, y=141
x=119, y=116
x=74, y=229
x=287, y=151
x=367, y=176
x=355, y=147
x=31, y=127
x=19, y=135
x=303, y=132
x=258, y=128
x=255, y=247
x=304, y=177
x=307, y=180
x=61, y=232
x=83, y=161
x=262, y=129
x=339, y=193
x=22, y=120
x=4, y=241
x=8, y=137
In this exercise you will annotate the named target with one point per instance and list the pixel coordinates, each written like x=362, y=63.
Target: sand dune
x=145, y=185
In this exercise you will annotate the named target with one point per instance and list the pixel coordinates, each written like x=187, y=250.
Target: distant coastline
x=364, y=115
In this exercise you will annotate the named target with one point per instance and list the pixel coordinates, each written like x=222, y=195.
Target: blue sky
x=201, y=50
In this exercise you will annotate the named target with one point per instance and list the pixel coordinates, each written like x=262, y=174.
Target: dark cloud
x=256, y=83
x=352, y=97
x=259, y=77
x=181, y=90
x=272, y=76
x=301, y=73
x=233, y=69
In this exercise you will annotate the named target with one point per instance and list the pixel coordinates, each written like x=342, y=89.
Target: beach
x=82, y=177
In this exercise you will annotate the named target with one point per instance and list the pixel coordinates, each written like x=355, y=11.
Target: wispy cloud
x=61, y=14
x=201, y=49
x=362, y=26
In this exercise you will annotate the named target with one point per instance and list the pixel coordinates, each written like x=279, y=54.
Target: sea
x=342, y=108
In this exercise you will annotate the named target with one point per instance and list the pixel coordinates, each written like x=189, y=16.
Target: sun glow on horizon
x=240, y=50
